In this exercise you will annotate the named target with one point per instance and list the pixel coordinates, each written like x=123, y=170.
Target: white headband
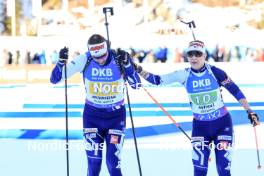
x=196, y=46
x=98, y=50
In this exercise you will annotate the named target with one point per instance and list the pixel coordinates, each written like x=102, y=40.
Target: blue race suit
x=104, y=115
x=212, y=123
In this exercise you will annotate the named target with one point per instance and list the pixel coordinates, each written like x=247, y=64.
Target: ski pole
x=257, y=148
x=134, y=132
x=66, y=120
x=191, y=25
x=168, y=115
x=105, y=11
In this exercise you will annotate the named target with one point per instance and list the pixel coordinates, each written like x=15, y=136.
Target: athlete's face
x=99, y=52
x=196, y=59
x=101, y=60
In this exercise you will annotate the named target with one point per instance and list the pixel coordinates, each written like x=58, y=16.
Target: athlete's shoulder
x=219, y=73
x=87, y=54
x=216, y=70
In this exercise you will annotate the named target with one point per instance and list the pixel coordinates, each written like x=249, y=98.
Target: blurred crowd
x=244, y=22
x=160, y=54
x=216, y=54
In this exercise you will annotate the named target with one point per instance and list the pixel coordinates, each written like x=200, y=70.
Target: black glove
x=63, y=55
x=253, y=117
x=122, y=56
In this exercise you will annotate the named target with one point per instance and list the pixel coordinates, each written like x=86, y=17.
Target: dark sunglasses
x=194, y=53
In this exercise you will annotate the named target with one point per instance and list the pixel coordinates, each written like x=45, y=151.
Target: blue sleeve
x=132, y=76
x=56, y=74
x=153, y=79
x=224, y=80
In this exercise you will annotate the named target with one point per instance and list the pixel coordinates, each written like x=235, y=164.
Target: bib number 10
x=204, y=99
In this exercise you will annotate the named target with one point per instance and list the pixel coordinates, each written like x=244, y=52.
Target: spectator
x=218, y=53
x=161, y=54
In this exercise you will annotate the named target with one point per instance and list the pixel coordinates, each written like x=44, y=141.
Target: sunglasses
x=194, y=53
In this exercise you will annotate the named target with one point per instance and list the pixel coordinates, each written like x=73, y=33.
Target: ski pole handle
x=105, y=10
x=108, y=9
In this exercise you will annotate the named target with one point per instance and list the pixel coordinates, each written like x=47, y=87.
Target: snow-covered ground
x=32, y=131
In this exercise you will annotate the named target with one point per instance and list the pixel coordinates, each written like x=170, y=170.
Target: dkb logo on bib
x=102, y=72
x=201, y=83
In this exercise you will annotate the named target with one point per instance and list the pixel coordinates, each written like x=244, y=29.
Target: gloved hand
x=138, y=68
x=141, y=71
x=253, y=117
x=63, y=55
x=122, y=56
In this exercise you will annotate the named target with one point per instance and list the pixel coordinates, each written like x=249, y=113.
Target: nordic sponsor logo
x=106, y=88
x=102, y=72
x=201, y=83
